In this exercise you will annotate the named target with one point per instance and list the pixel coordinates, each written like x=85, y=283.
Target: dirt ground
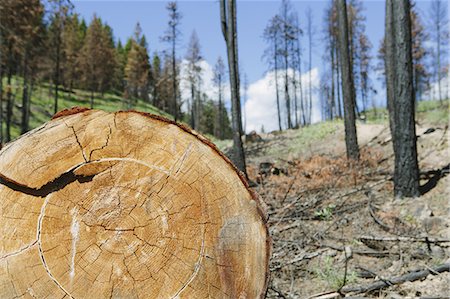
x=337, y=226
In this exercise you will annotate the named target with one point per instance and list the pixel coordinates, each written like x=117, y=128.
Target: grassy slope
x=42, y=104
x=300, y=140
x=432, y=112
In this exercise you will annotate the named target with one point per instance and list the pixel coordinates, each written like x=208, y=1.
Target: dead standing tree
x=126, y=205
x=229, y=30
x=399, y=69
x=348, y=87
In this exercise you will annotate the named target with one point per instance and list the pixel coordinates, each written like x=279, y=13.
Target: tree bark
x=229, y=30
x=348, y=87
x=406, y=174
x=1, y=88
x=101, y=208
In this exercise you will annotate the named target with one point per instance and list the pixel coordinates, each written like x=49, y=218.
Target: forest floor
x=337, y=227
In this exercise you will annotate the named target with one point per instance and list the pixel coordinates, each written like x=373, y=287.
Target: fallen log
x=412, y=276
x=126, y=205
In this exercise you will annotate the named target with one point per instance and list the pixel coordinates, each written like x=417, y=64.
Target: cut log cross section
x=126, y=205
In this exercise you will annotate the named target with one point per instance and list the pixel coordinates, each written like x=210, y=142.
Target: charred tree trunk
x=100, y=208
x=229, y=30
x=406, y=174
x=348, y=87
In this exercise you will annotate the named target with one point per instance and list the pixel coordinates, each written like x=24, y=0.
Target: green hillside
x=42, y=104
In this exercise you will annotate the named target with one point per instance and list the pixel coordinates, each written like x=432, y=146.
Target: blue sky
x=203, y=16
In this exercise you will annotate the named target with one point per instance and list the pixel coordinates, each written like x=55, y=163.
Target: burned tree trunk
x=406, y=173
x=126, y=205
x=348, y=88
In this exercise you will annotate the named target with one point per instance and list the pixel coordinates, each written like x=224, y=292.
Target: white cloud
x=207, y=85
x=433, y=92
x=261, y=106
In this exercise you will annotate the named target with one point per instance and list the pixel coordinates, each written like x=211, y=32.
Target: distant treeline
x=48, y=42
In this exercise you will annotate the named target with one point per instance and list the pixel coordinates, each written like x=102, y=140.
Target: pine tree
x=137, y=68
x=60, y=11
x=157, y=81
x=97, y=59
x=72, y=42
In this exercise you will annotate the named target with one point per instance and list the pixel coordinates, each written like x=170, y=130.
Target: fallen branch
x=405, y=239
x=378, y=221
x=373, y=253
x=305, y=256
x=412, y=276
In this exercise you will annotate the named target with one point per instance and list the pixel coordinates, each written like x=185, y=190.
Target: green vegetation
x=333, y=276
x=325, y=213
x=42, y=104
x=433, y=112
x=304, y=137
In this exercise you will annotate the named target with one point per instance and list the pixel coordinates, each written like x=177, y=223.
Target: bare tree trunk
x=302, y=108
x=331, y=112
x=309, y=27
x=438, y=33
x=9, y=104
x=229, y=30
x=92, y=99
x=294, y=84
x=25, y=94
x=276, y=85
x=174, y=77
x=338, y=83
x=348, y=87
x=406, y=174
x=390, y=70
x=58, y=54
x=1, y=89
x=286, y=86
x=221, y=125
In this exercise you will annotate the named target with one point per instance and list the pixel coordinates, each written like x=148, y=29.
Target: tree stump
x=126, y=205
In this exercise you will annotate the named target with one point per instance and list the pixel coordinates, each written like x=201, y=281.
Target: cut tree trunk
x=126, y=205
